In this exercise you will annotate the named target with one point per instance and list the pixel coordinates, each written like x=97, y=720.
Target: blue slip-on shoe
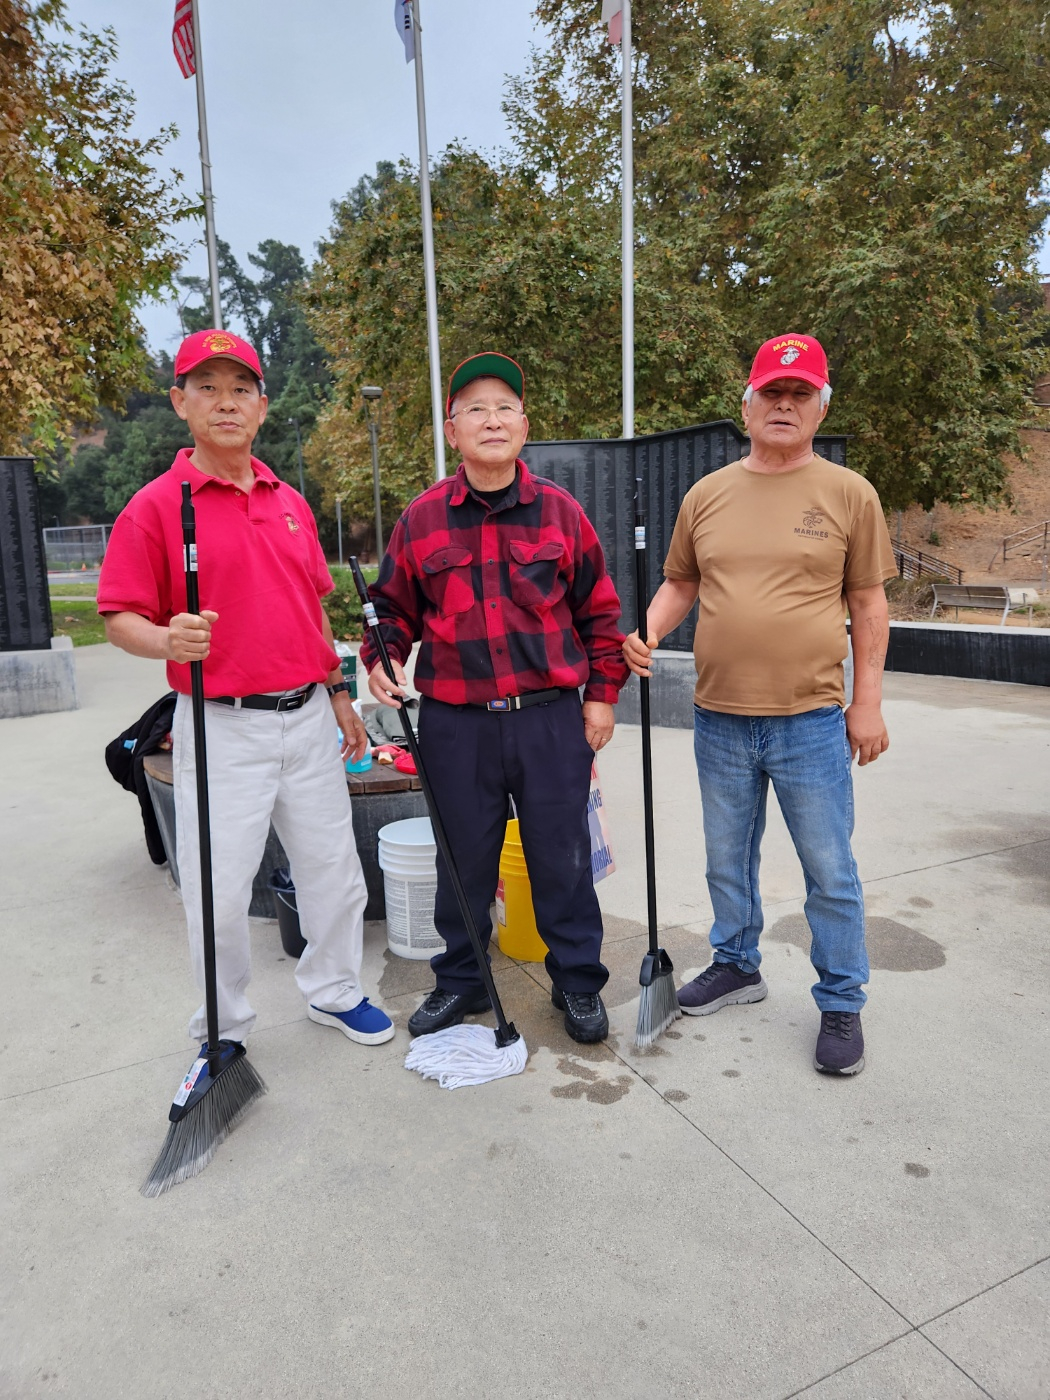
x=364, y=1023
x=721, y=984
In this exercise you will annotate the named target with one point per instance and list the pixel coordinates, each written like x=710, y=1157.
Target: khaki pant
x=267, y=765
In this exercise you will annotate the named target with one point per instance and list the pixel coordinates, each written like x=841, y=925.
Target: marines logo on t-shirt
x=291, y=522
x=811, y=519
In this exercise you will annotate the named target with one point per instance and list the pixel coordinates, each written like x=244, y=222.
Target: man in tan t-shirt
x=778, y=546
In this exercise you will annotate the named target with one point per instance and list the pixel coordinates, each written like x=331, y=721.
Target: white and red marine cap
x=790, y=357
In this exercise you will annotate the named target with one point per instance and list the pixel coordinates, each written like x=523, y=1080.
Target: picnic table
x=378, y=796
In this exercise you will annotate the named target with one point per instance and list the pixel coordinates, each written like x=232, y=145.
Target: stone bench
x=380, y=796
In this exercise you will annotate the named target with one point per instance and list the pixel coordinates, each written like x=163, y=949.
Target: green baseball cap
x=488, y=365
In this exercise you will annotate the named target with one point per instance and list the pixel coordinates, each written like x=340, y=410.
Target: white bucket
x=407, y=858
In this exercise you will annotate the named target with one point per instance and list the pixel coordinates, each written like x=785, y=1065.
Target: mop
x=459, y=1055
x=221, y=1085
x=658, y=1004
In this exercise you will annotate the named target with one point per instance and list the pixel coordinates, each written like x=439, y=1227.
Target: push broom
x=221, y=1085
x=458, y=1055
x=658, y=1004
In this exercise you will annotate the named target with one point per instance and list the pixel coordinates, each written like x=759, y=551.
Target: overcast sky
x=304, y=97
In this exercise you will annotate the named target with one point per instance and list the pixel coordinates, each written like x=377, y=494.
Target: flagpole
x=437, y=407
x=627, y=232
x=209, y=203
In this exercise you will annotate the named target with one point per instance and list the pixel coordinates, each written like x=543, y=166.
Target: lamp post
x=371, y=393
x=339, y=526
x=299, y=450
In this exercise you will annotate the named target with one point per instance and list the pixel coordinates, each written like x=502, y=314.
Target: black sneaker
x=840, y=1044
x=586, y=1019
x=721, y=984
x=443, y=1008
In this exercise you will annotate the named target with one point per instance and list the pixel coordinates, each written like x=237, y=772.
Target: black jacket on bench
x=124, y=759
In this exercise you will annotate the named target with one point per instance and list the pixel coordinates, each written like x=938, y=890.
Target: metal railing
x=71, y=546
x=1038, y=536
x=915, y=563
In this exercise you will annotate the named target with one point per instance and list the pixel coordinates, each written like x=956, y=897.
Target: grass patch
x=79, y=620
x=343, y=607
x=73, y=590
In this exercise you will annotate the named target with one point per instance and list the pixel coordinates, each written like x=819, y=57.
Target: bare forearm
x=137, y=635
x=672, y=603
x=334, y=677
x=870, y=631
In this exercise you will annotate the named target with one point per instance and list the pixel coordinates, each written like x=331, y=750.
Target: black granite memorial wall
x=601, y=474
x=25, y=605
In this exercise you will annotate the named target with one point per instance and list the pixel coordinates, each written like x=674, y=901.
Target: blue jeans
x=807, y=759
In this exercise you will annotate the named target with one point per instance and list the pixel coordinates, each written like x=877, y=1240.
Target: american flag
x=182, y=37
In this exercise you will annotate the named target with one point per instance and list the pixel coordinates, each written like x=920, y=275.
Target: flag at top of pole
x=612, y=14
x=182, y=37
x=403, y=22
x=406, y=17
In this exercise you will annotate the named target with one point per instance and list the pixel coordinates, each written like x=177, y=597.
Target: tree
x=872, y=175
x=85, y=220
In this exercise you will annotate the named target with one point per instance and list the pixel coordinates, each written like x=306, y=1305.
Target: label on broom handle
x=187, y=1085
x=369, y=610
x=191, y=558
x=639, y=537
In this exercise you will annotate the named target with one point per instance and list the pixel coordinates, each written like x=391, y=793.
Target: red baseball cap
x=212, y=345
x=790, y=356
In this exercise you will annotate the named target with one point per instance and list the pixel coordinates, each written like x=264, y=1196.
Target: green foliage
x=873, y=176
x=343, y=606
x=85, y=228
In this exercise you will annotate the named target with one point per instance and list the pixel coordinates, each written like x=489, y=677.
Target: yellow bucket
x=515, y=918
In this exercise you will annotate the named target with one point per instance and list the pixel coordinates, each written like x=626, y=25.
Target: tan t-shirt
x=773, y=554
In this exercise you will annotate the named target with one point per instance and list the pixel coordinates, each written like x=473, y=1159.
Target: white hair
x=825, y=395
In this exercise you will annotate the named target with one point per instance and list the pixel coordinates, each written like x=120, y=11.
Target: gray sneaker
x=721, y=984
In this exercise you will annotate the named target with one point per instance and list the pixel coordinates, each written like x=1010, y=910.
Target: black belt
x=518, y=702
x=266, y=702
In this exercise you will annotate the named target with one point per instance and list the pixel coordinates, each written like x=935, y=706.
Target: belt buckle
x=291, y=702
x=503, y=704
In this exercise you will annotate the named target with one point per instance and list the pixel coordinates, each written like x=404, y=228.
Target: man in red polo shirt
x=267, y=650
x=500, y=577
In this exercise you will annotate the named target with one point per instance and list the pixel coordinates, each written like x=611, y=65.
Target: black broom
x=221, y=1085
x=658, y=1004
x=458, y=1055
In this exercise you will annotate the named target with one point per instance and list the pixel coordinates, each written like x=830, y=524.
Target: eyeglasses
x=477, y=413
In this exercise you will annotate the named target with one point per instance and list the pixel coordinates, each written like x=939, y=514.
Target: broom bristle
x=657, y=1009
x=461, y=1055
x=193, y=1141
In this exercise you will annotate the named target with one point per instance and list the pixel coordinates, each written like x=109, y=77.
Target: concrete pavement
x=709, y=1218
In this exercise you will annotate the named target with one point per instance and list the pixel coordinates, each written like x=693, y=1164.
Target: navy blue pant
x=475, y=759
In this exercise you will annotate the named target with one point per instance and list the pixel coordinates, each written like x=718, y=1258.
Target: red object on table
x=405, y=763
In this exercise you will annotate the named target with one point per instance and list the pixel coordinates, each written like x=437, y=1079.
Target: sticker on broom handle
x=191, y=558
x=369, y=610
x=186, y=1087
x=639, y=537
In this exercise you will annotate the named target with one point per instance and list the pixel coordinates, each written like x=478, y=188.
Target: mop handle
x=505, y=1032
x=641, y=596
x=193, y=605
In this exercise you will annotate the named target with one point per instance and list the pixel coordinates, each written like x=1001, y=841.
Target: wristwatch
x=335, y=689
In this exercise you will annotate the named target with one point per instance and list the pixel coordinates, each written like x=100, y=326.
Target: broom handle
x=505, y=1032
x=641, y=594
x=193, y=605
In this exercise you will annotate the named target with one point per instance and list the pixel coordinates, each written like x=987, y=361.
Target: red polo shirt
x=260, y=568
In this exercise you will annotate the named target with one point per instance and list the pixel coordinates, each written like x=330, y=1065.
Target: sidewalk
x=709, y=1218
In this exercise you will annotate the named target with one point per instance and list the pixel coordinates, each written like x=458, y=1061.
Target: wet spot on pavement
x=917, y=902
x=675, y=1095
x=731, y=1073
x=700, y=1036
x=892, y=946
x=604, y=1091
x=566, y=1065
x=915, y=1169
x=672, y=1035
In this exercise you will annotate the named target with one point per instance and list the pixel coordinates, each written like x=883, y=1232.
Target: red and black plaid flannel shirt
x=503, y=601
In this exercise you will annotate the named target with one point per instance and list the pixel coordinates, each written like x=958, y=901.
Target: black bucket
x=292, y=940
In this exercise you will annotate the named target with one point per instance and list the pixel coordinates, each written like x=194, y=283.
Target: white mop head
x=461, y=1055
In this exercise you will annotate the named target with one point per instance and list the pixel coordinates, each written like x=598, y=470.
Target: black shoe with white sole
x=444, y=1008
x=840, y=1044
x=586, y=1019
x=721, y=984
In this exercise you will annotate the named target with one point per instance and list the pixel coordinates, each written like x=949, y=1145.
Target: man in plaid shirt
x=500, y=577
